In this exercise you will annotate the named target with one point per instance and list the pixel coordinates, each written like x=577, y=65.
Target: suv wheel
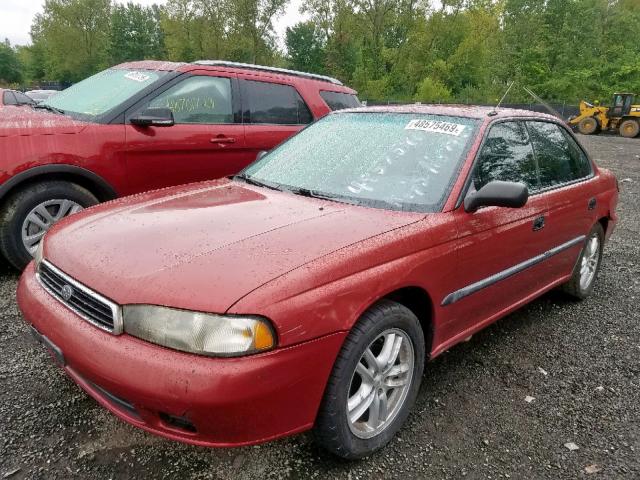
x=374, y=382
x=29, y=213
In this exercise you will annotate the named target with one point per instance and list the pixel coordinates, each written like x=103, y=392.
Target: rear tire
x=629, y=128
x=45, y=203
x=588, y=126
x=371, y=391
x=588, y=265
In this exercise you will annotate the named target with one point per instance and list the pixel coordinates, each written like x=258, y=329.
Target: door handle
x=592, y=203
x=538, y=223
x=222, y=139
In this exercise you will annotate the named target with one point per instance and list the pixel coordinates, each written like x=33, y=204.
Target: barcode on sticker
x=137, y=76
x=436, y=127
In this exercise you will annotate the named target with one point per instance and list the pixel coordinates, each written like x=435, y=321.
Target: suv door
x=565, y=174
x=499, y=248
x=271, y=112
x=206, y=142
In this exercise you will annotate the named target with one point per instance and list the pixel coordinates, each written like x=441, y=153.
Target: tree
x=305, y=47
x=10, y=67
x=135, y=33
x=74, y=35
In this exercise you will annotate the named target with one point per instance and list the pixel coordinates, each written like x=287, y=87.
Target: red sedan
x=308, y=291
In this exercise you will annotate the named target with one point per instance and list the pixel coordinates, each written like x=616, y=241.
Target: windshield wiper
x=44, y=106
x=307, y=192
x=257, y=183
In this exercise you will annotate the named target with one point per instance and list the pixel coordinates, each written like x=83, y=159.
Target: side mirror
x=261, y=154
x=153, y=117
x=498, y=194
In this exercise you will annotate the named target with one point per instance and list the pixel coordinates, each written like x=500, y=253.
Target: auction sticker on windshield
x=137, y=76
x=436, y=127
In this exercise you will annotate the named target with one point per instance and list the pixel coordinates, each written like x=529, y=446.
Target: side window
x=274, y=104
x=22, y=99
x=507, y=155
x=8, y=98
x=560, y=159
x=200, y=99
x=339, y=100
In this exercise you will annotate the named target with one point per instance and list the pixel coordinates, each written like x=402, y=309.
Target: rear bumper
x=190, y=398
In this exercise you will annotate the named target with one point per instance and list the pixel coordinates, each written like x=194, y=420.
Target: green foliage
x=305, y=47
x=432, y=91
x=135, y=33
x=400, y=50
x=10, y=67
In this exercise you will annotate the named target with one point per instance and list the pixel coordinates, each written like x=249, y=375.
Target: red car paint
x=116, y=158
x=311, y=266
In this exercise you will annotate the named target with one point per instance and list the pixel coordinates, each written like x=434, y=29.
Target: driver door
x=498, y=246
x=206, y=142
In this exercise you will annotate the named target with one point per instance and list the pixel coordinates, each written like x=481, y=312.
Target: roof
x=151, y=65
x=470, y=111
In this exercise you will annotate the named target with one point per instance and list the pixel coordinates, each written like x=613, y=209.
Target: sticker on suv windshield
x=436, y=127
x=137, y=76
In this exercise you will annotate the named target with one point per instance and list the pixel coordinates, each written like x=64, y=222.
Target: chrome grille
x=90, y=305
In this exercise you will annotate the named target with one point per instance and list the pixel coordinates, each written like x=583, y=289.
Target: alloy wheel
x=380, y=383
x=589, y=262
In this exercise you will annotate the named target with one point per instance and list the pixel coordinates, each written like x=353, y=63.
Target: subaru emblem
x=66, y=292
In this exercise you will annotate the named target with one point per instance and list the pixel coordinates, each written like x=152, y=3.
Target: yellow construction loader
x=622, y=116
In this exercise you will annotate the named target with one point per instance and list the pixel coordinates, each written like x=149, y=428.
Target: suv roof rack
x=250, y=66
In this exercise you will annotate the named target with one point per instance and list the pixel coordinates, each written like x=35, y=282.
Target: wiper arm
x=257, y=183
x=44, y=106
x=306, y=192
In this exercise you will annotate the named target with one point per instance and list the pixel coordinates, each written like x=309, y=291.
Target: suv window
x=8, y=98
x=507, y=155
x=23, y=99
x=339, y=100
x=560, y=159
x=273, y=103
x=199, y=99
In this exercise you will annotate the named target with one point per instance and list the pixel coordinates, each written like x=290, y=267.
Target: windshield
x=386, y=160
x=101, y=92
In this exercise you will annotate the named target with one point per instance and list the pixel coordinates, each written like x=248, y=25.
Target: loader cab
x=621, y=105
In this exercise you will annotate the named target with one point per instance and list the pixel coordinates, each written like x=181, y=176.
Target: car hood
x=24, y=121
x=204, y=247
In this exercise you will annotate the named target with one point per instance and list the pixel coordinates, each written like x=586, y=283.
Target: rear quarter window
x=339, y=100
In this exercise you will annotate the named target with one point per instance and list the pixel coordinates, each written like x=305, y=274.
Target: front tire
x=374, y=382
x=588, y=265
x=31, y=211
x=588, y=126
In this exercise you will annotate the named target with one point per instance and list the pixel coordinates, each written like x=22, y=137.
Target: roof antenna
x=494, y=112
x=552, y=110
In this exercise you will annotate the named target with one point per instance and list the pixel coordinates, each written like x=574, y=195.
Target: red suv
x=106, y=136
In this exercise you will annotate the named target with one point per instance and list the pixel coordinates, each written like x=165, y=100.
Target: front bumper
x=190, y=398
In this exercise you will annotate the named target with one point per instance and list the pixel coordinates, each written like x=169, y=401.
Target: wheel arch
x=71, y=173
x=418, y=300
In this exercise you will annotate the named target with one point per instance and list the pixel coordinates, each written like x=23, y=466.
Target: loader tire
x=629, y=128
x=588, y=126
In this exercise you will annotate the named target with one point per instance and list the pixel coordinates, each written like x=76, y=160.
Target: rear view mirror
x=153, y=117
x=498, y=194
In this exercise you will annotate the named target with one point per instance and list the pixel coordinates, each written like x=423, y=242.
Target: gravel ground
x=580, y=362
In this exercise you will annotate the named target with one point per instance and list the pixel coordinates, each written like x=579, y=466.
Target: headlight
x=201, y=333
x=39, y=252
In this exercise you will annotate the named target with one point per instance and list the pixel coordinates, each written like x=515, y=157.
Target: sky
x=16, y=16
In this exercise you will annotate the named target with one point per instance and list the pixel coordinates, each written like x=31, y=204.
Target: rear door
x=566, y=180
x=206, y=142
x=271, y=112
x=500, y=247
